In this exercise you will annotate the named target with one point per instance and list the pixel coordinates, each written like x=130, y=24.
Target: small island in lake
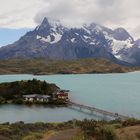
x=32, y=92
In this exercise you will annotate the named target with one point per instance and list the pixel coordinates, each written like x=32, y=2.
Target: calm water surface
x=114, y=92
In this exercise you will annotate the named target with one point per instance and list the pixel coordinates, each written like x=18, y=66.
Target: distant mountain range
x=54, y=41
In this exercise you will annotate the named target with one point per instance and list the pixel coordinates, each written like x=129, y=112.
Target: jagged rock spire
x=45, y=22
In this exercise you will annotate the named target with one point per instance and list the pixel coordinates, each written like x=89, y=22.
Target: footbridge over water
x=95, y=110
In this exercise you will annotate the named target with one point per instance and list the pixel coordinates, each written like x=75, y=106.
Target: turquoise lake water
x=113, y=92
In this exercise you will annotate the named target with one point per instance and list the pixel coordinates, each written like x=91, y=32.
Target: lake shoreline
x=37, y=105
x=99, y=73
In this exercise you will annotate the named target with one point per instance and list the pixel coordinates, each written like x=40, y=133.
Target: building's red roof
x=62, y=94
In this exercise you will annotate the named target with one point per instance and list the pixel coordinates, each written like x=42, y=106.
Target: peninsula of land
x=32, y=92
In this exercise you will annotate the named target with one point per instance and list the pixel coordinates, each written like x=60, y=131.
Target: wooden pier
x=94, y=110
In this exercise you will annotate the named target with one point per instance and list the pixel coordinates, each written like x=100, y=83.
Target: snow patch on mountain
x=86, y=37
x=92, y=43
x=38, y=37
x=77, y=34
x=48, y=39
x=73, y=40
x=57, y=38
x=86, y=29
x=118, y=45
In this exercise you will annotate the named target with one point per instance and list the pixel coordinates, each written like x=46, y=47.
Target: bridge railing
x=100, y=111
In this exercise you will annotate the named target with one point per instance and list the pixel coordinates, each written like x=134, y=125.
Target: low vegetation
x=98, y=130
x=72, y=130
x=21, y=131
x=112, y=130
x=44, y=66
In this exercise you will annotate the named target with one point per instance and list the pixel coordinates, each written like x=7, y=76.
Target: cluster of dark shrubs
x=103, y=130
x=96, y=129
x=2, y=100
x=131, y=122
x=21, y=131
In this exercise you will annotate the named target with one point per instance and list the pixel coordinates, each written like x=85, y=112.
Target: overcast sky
x=111, y=13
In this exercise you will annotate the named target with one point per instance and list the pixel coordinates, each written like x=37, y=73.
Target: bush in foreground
x=97, y=129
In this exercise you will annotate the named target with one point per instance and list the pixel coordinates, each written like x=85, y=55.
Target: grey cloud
x=58, y=9
x=81, y=11
x=18, y=14
x=111, y=13
x=136, y=31
x=105, y=3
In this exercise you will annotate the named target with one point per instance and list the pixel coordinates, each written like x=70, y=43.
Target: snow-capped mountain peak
x=50, y=31
x=52, y=39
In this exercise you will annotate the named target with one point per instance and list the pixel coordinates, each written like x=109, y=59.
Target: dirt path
x=62, y=135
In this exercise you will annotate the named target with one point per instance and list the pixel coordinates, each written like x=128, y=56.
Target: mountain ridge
x=53, y=40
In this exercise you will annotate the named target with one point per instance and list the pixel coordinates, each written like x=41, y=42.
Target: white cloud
x=112, y=13
x=19, y=13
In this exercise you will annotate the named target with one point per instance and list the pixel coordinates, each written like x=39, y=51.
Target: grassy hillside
x=45, y=66
x=72, y=130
